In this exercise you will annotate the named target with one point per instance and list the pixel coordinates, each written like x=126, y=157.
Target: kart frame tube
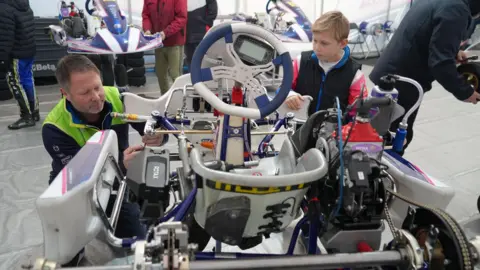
x=308, y=262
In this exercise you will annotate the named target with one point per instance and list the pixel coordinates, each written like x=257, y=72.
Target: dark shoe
x=26, y=120
x=36, y=115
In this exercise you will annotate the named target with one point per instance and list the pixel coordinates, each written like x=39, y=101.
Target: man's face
x=86, y=92
x=326, y=47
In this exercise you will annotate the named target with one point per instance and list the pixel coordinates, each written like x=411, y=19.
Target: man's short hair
x=70, y=64
x=335, y=22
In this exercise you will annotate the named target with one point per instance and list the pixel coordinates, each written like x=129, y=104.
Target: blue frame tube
x=182, y=212
x=268, y=138
x=296, y=232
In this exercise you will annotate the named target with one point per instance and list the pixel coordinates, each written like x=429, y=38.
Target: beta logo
x=44, y=67
x=257, y=174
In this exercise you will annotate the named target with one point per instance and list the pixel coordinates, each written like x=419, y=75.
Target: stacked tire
x=5, y=93
x=135, y=64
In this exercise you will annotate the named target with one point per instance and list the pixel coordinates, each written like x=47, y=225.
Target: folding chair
x=388, y=30
x=359, y=40
x=372, y=30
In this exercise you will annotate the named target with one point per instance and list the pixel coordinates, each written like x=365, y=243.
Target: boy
x=327, y=71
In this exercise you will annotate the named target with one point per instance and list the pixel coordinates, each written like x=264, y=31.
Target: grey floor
x=445, y=146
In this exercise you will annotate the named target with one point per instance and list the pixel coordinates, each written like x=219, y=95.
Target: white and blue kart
x=334, y=201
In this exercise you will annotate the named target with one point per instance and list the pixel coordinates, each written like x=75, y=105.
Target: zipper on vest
x=319, y=98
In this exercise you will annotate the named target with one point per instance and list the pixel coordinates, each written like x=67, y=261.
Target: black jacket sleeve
x=212, y=12
x=7, y=34
x=61, y=147
x=449, y=29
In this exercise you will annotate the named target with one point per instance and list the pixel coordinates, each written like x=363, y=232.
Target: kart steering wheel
x=89, y=11
x=240, y=72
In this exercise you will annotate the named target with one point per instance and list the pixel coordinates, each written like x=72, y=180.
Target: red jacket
x=169, y=16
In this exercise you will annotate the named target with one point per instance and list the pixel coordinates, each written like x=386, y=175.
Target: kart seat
x=304, y=139
x=238, y=206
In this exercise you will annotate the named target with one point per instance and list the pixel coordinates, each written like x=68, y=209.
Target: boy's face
x=326, y=47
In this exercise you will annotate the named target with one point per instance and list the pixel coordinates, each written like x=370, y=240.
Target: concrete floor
x=444, y=146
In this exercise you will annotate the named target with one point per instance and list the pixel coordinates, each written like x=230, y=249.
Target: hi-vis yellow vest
x=61, y=118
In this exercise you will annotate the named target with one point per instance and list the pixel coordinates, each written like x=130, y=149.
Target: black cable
x=334, y=160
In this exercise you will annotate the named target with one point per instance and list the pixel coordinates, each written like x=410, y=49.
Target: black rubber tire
x=136, y=72
x=135, y=63
x=5, y=93
x=478, y=204
x=138, y=55
x=96, y=60
x=473, y=70
x=121, y=77
x=137, y=81
x=122, y=59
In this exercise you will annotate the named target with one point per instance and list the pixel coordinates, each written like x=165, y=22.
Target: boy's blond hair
x=335, y=22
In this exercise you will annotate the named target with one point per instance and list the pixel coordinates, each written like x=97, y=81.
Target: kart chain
x=460, y=237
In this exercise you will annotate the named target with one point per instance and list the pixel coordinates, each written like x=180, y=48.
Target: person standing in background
x=17, y=53
x=201, y=14
x=169, y=18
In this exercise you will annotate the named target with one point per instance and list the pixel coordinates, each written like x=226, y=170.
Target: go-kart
x=335, y=183
x=117, y=37
x=284, y=18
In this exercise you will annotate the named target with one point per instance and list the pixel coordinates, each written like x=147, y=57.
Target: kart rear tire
x=137, y=81
x=471, y=72
x=135, y=63
x=136, y=72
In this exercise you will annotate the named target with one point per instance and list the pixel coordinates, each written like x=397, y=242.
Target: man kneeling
x=84, y=110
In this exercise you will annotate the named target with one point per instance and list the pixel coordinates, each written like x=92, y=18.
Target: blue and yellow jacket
x=65, y=132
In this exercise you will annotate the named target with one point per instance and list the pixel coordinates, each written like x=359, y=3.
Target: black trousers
x=407, y=97
x=189, y=50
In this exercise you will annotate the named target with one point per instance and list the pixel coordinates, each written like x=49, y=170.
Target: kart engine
x=353, y=196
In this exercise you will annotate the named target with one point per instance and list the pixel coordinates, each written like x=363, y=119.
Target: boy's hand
x=294, y=102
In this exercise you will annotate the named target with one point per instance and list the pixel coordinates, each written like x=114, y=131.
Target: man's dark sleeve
x=61, y=147
x=212, y=12
x=7, y=36
x=449, y=27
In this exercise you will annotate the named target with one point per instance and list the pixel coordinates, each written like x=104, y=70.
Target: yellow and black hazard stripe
x=217, y=185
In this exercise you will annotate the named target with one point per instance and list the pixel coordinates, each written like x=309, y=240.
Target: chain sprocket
x=451, y=238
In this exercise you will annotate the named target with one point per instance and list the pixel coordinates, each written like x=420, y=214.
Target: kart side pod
x=241, y=206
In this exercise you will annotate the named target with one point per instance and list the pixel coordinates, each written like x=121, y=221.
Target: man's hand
x=474, y=98
x=153, y=140
x=294, y=102
x=461, y=57
x=130, y=154
x=148, y=33
x=162, y=34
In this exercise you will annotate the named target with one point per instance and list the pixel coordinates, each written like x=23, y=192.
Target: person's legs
x=161, y=68
x=407, y=97
x=28, y=83
x=174, y=57
x=129, y=224
x=182, y=56
x=15, y=85
x=189, y=50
